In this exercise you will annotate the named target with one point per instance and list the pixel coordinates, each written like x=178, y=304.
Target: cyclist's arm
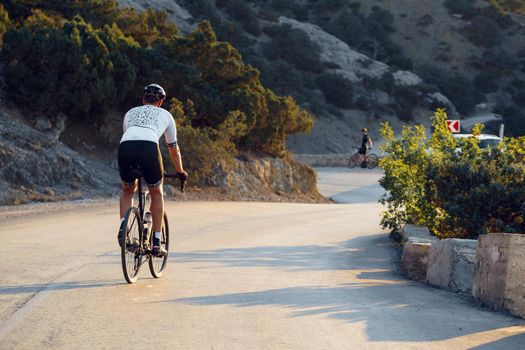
x=170, y=136
x=176, y=158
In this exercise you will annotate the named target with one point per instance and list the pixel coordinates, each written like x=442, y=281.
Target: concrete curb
x=414, y=261
x=451, y=264
x=492, y=268
x=417, y=234
x=499, y=277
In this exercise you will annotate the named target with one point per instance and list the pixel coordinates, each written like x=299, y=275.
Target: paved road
x=243, y=276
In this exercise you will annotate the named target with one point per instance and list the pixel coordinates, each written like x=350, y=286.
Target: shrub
x=82, y=84
x=461, y=91
x=243, y=13
x=464, y=7
x=337, y=90
x=483, y=32
x=487, y=82
x=106, y=68
x=456, y=194
x=4, y=22
x=295, y=46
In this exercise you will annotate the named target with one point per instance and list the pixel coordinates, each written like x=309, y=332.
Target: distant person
x=143, y=127
x=366, y=144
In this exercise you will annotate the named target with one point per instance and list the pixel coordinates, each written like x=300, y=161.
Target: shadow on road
x=35, y=288
x=393, y=308
x=504, y=344
x=342, y=256
x=365, y=194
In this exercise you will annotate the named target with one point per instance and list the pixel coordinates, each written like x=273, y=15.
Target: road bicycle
x=137, y=244
x=371, y=159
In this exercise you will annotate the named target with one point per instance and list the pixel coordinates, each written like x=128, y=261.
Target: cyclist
x=143, y=126
x=366, y=144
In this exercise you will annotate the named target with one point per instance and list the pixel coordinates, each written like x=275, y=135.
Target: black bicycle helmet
x=155, y=90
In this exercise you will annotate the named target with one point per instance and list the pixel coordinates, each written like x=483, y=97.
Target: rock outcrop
x=36, y=166
x=177, y=13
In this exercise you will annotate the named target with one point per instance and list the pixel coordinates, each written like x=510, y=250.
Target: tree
x=295, y=46
x=337, y=89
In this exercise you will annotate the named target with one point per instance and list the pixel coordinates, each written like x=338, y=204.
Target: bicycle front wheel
x=158, y=265
x=372, y=161
x=131, y=253
x=354, y=159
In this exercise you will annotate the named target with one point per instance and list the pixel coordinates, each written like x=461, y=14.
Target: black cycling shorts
x=146, y=155
x=362, y=150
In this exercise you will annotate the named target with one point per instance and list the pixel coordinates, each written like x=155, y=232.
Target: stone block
x=451, y=264
x=414, y=261
x=499, y=277
x=417, y=234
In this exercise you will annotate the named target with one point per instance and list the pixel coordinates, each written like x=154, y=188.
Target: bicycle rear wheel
x=158, y=265
x=354, y=159
x=131, y=254
x=372, y=160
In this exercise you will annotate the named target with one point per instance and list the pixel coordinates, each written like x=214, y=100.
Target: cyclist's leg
x=153, y=174
x=126, y=197
x=126, y=158
x=156, y=207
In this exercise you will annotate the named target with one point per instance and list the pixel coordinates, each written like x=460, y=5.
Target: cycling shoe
x=159, y=252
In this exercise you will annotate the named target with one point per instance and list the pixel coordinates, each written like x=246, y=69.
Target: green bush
x=243, y=13
x=461, y=91
x=82, y=83
x=337, y=90
x=487, y=81
x=293, y=45
x=460, y=194
x=4, y=22
x=463, y=7
x=483, y=31
x=106, y=66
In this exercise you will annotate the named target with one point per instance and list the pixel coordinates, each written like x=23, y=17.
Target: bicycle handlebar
x=181, y=179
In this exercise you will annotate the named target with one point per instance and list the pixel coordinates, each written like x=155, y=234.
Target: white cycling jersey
x=149, y=123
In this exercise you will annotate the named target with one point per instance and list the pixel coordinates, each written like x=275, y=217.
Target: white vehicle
x=485, y=140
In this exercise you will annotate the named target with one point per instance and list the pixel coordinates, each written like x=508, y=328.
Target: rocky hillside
x=36, y=166
x=356, y=63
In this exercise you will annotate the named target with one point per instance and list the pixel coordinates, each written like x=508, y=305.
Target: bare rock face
x=499, y=277
x=353, y=65
x=268, y=178
x=177, y=13
x=34, y=165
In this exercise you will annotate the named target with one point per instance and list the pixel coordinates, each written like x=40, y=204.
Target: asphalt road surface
x=241, y=276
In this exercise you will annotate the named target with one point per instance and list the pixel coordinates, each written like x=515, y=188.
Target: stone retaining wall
x=451, y=264
x=331, y=160
x=499, y=278
x=493, y=267
x=414, y=261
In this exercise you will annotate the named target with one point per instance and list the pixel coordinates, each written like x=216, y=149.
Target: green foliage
x=463, y=7
x=454, y=187
x=514, y=6
x=243, y=13
x=487, y=81
x=483, y=31
x=293, y=45
x=81, y=83
x=226, y=107
x=337, y=89
x=4, y=22
x=461, y=91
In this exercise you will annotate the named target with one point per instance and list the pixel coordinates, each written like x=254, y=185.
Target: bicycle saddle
x=136, y=171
